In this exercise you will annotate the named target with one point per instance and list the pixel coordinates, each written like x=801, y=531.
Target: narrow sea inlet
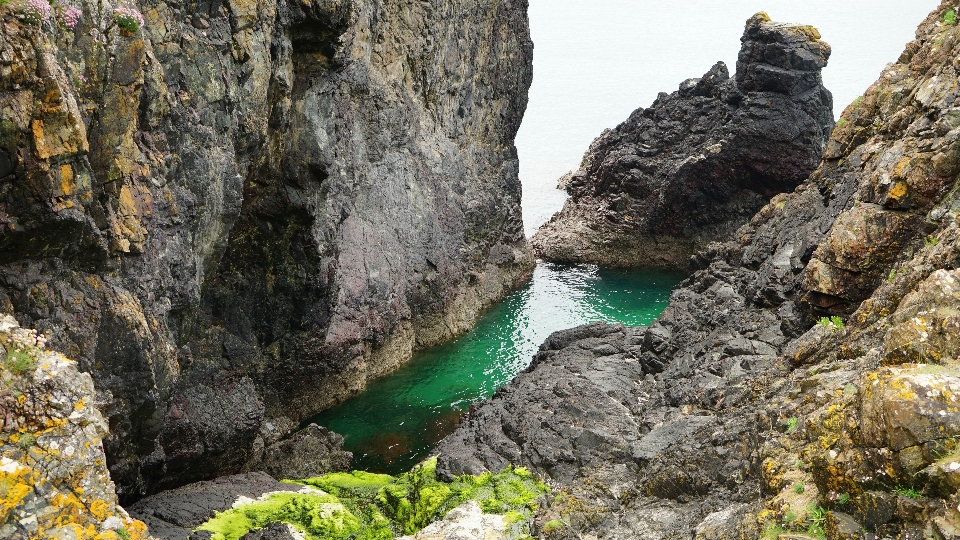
x=398, y=419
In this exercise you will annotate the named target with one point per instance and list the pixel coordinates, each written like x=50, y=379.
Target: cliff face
x=700, y=162
x=743, y=410
x=53, y=474
x=235, y=215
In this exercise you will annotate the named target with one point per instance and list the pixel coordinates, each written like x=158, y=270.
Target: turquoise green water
x=399, y=418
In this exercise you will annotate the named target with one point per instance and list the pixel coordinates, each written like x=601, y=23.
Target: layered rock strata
x=803, y=381
x=236, y=214
x=700, y=162
x=53, y=473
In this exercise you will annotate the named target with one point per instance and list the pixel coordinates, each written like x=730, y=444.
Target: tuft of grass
x=799, y=488
x=834, y=322
x=950, y=17
x=123, y=533
x=26, y=440
x=817, y=519
x=20, y=362
x=892, y=276
x=841, y=122
x=908, y=492
x=843, y=499
x=772, y=531
x=931, y=241
x=792, y=424
x=553, y=525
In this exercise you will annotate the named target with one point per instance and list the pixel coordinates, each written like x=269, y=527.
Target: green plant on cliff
x=792, y=424
x=950, y=17
x=26, y=440
x=367, y=506
x=908, y=492
x=833, y=323
x=816, y=522
x=129, y=19
x=23, y=349
x=931, y=241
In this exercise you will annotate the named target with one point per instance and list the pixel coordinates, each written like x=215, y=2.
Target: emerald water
x=399, y=418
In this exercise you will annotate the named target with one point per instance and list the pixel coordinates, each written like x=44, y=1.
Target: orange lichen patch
x=137, y=529
x=16, y=483
x=100, y=509
x=898, y=191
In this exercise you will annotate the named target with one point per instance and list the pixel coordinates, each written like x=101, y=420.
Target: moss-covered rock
x=361, y=505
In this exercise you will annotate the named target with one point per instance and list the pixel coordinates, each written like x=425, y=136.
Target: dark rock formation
x=235, y=216
x=309, y=452
x=701, y=161
x=737, y=411
x=173, y=514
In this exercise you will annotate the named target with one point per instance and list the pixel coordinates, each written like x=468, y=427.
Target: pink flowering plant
x=128, y=18
x=34, y=12
x=23, y=347
x=68, y=15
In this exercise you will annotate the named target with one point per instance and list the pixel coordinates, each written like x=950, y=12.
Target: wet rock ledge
x=700, y=162
x=803, y=383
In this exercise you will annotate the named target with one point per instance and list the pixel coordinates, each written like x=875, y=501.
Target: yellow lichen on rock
x=53, y=477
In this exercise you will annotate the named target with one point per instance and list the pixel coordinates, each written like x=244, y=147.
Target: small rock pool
x=399, y=418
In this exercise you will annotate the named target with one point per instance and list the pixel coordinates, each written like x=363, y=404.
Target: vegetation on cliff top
x=365, y=506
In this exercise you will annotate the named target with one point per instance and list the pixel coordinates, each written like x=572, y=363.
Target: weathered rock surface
x=465, y=522
x=700, y=162
x=310, y=452
x=735, y=414
x=238, y=214
x=53, y=473
x=174, y=514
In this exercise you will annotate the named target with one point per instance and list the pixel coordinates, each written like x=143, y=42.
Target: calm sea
x=595, y=62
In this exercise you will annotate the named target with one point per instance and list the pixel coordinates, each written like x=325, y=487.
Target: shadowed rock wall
x=237, y=215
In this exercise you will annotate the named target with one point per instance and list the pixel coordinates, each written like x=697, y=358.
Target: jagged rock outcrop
x=743, y=410
x=700, y=162
x=53, y=473
x=237, y=214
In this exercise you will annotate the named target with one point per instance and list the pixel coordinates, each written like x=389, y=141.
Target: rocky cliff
x=803, y=382
x=700, y=162
x=53, y=473
x=234, y=213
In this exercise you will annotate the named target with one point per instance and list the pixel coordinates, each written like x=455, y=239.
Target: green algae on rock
x=361, y=505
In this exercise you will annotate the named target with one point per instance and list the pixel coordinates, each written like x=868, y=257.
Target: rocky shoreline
x=803, y=381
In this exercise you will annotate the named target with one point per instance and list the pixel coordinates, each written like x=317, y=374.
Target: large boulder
x=700, y=162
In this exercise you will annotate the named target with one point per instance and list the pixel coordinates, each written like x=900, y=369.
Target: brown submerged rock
x=701, y=161
x=238, y=214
